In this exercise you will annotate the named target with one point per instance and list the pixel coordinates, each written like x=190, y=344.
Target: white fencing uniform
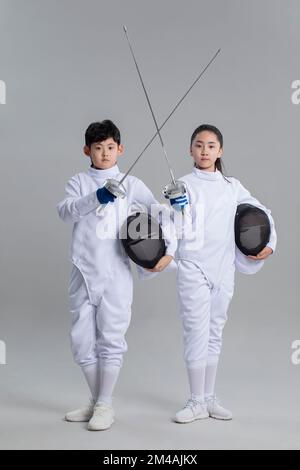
x=100, y=286
x=206, y=263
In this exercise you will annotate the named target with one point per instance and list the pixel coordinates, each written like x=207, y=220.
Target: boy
x=100, y=287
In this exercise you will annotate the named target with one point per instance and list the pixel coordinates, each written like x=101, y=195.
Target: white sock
x=210, y=378
x=196, y=381
x=91, y=373
x=108, y=378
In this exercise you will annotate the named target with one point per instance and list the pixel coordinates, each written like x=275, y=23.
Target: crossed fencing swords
x=175, y=188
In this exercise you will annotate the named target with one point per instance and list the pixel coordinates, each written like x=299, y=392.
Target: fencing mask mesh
x=142, y=239
x=252, y=229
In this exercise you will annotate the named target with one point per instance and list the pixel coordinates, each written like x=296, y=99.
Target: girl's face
x=205, y=150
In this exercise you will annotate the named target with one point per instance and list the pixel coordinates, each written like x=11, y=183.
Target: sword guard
x=173, y=190
x=115, y=188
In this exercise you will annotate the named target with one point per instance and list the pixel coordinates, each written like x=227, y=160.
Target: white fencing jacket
x=208, y=230
x=96, y=249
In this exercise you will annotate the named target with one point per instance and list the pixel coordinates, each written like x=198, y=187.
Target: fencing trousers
x=203, y=311
x=98, y=331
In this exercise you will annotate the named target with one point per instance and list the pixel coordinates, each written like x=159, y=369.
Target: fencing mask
x=252, y=233
x=252, y=229
x=142, y=238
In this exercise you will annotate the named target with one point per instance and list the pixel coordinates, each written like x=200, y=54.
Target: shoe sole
x=197, y=418
x=70, y=420
x=221, y=419
x=89, y=428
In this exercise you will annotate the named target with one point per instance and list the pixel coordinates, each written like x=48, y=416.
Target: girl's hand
x=162, y=264
x=264, y=254
x=178, y=203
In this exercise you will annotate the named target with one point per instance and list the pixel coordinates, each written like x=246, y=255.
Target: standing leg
x=83, y=340
x=194, y=302
x=92, y=376
x=220, y=301
x=113, y=318
x=221, y=298
x=210, y=376
x=109, y=374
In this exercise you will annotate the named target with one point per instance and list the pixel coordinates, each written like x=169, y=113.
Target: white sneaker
x=81, y=414
x=192, y=410
x=217, y=411
x=102, y=418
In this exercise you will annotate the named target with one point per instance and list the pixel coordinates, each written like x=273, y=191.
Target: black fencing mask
x=252, y=229
x=142, y=238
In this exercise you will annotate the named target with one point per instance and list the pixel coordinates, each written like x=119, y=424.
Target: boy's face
x=104, y=154
x=205, y=150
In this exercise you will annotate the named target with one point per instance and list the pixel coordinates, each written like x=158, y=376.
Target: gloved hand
x=178, y=203
x=104, y=196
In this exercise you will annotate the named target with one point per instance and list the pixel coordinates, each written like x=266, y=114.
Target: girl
x=206, y=266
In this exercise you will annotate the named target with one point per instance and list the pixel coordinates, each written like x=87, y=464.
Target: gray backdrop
x=65, y=64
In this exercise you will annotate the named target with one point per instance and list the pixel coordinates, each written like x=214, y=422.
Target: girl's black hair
x=209, y=127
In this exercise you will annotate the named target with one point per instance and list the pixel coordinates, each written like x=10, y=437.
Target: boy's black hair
x=99, y=131
x=209, y=127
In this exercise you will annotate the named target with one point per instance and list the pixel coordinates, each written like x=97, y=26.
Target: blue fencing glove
x=104, y=196
x=179, y=203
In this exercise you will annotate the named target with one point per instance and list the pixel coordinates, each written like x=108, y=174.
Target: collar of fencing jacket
x=104, y=174
x=208, y=175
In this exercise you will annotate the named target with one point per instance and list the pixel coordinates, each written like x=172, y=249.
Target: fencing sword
x=175, y=188
x=171, y=114
x=116, y=187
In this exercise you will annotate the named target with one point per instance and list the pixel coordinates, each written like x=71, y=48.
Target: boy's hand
x=264, y=254
x=104, y=196
x=162, y=264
